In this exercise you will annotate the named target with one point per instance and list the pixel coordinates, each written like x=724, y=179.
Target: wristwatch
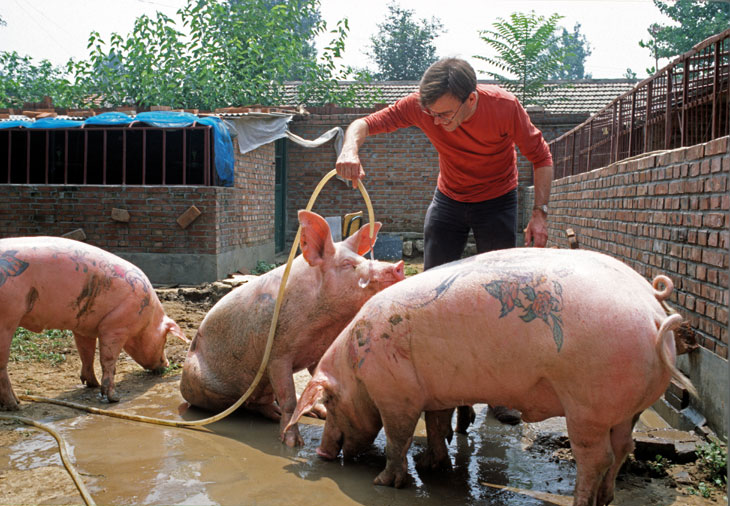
x=543, y=208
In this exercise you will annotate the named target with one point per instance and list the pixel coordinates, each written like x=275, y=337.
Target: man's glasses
x=442, y=116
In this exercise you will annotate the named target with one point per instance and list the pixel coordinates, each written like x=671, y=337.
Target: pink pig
x=57, y=283
x=327, y=284
x=549, y=332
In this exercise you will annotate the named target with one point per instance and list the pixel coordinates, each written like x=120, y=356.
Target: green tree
x=219, y=53
x=403, y=48
x=630, y=74
x=23, y=81
x=525, y=52
x=305, y=29
x=694, y=21
x=576, y=49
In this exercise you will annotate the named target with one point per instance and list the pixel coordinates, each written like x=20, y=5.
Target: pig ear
x=174, y=329
x=359, y=242
x=312, y=393
x=316, y=241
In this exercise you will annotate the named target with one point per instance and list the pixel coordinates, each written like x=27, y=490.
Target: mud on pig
x=327, y=284
x=57, y=283
x=549, y=332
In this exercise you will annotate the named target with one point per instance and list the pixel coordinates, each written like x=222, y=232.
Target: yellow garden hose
x=62, y=450
x=264, y=359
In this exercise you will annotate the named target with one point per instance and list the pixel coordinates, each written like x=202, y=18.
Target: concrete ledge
x=195, y=269
x=709, y=375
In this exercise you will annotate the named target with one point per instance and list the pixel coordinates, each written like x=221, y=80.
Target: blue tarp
x=222, y=142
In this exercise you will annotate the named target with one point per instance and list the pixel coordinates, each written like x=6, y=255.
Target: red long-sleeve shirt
x=477, y=161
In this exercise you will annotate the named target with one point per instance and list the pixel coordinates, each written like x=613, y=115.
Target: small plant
x=658, y=465
x=702, y=489
x=173, y=367
x=410, y=270
x=262, y=267
x=713, y=459
x=49, y=345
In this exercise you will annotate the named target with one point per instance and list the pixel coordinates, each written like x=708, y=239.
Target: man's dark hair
x=448, y=75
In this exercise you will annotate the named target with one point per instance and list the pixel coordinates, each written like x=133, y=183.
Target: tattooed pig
x=549, y=332
x=57, y=283
x=327, y=284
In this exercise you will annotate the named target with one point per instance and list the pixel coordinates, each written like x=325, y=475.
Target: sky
x=57, y=30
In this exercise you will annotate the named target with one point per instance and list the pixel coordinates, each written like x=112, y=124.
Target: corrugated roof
x=585, y=96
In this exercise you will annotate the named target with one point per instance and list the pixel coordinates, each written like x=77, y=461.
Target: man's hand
x=348, y=162
x=348, y=166
x=536, y=231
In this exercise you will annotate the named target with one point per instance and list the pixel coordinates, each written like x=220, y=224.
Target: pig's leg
x=622, y=443
x=110, y=345
x=8, y=400
x=281, y=377
x=438, y=431
x=465, y=416
x=399, y=427
x=591, y=446
x=87, y=347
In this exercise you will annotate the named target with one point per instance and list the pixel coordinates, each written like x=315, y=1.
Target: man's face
x=449, y=112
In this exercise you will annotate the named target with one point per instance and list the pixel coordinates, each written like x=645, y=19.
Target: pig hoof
x=110, y=398
x=427, y=461
x=89, y=382
x=9, y=406
x=292, y=440
x=389, y=479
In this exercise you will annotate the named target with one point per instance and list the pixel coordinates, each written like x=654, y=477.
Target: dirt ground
x=188, y=306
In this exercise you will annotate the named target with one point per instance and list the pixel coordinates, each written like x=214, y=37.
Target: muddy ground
x=642, y=481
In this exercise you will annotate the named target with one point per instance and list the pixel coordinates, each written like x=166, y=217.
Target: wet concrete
x=240, y=460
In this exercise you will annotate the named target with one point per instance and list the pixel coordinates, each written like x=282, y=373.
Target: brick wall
x=401, y=169
x=232, y=221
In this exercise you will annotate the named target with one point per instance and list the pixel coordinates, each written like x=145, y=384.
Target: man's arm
x=348, y=163
x=536, y=231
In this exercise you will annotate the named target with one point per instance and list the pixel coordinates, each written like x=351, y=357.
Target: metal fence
x=686, y=103
x=136, y=155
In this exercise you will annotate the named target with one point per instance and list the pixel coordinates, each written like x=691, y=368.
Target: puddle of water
x=240, y=460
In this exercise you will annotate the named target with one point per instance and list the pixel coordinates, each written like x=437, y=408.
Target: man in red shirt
x=474, y=129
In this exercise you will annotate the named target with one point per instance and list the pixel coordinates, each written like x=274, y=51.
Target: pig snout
x=331, y=444
x=324, y=454
x=388, y=275
x=158, y=365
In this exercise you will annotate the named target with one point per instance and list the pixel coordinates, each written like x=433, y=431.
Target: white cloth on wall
x=254, y=131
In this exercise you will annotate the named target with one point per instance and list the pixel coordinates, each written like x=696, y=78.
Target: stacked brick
x=229, y=217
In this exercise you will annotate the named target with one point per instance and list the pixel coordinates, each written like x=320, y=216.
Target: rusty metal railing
x=686, y=103
x=118, y=155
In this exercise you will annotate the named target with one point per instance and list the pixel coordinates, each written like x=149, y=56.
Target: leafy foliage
x=218, y=53
x=262, y=267
x=713, y=458
x=695, y=20
x=403, y=48
x=22, y=81
x=51, y=345
x=575, y=49
x=525, y=52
